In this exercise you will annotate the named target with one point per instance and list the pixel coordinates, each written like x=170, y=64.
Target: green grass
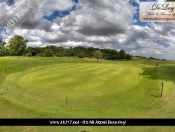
x=38, y=88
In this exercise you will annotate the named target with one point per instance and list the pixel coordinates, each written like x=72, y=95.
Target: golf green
x=75, y=88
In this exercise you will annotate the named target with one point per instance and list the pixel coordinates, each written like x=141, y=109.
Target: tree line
x=17, y=46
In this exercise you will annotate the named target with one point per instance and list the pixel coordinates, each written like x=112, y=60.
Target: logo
x=157, y=11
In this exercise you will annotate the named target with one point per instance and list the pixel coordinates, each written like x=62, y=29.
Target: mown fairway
x=68, y=87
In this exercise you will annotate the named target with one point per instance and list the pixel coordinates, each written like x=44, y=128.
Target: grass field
x=36, y=87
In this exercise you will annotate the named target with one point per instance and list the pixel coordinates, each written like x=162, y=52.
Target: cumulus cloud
x=49, y=6
x=103, y=18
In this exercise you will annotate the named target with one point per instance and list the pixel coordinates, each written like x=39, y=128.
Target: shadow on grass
x=156, y=96
x=164, y=73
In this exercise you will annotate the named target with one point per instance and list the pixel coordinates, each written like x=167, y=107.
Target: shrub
x=48, y=53
x=29, y=54
x=39, y=54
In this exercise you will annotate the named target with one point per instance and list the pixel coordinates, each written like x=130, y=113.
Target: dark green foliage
x=48, y=53
x=17, y=45
x=98, y=54
x=59, y=55
x=66, y=52
x=39, y=54
x=114, y=55
x=90, y=51
x=2, y=43
x=29, y=54
x=81, y=54
x=5, y=51
x=31, y=50
x=151, y=58
x=122, y=54
x=128, y=57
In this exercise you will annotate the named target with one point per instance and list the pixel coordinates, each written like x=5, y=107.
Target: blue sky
x=104, y=24
x=60, y=14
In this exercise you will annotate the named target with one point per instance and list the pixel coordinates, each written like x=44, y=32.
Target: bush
x=39, y=54
x=29, y=54
x=48, y=53
x=128, y=57
x=81, y=55
x=59, y=55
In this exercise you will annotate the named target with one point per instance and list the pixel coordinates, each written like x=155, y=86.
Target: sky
x=109, y=24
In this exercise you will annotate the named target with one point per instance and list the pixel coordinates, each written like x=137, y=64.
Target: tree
x=17, y=45
x=90, y=51
x=113, y=55
x=54, y=49
x=80, y=53
x=29, y=54
x=5, y=50
x=128, y=57
x=122, y=54
x=31, y=50
x=48, y=53
x=2, y=43
x=60, y=51
x=66, y=52
x=97, y=54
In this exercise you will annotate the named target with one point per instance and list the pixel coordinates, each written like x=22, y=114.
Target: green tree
x=66, y=52
x=98, y=54
x=90, y=51
x=128, y=57
x=48, y=53
x=17, y=45
x=5, y=50
x=114, y=55
x=81, y=54
x=2, y=43
x=29, y=54
x=122, y=54
x=31, y=50
x=60, y=51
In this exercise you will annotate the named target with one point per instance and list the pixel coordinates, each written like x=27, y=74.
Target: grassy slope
x=138, y=90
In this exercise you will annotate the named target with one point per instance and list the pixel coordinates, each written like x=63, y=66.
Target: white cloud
x=34, y=44
x=161, y=0
x=49, y=6
x=157, y=52
x=143, y=51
